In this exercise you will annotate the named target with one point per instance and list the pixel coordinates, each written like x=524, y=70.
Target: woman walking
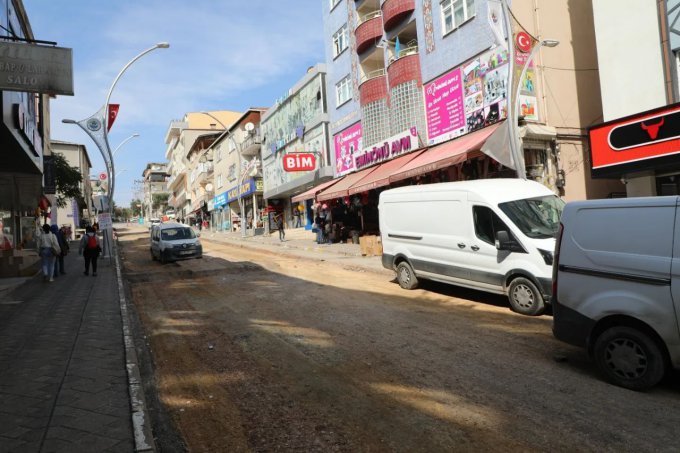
x=49, y=249
x=90, y=249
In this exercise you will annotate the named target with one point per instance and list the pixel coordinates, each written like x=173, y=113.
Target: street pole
x=512, y=113
x=124, y=142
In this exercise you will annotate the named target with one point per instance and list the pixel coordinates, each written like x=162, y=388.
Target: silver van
x=174, y=241
x=616, y=289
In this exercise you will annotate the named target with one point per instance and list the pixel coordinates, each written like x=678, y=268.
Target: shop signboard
x=393, y=147
x=36, y=69
x=299, y=162
x=346, y=143
x=49, y=183
x=635, y=143
x=248, y=187
x=468, y=97
x=220, y=200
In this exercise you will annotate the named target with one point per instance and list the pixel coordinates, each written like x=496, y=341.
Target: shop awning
x=311, y=193
x=339, y=190
x=381, y=176
x=444, y=155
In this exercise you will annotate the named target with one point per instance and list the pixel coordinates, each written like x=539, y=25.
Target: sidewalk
x=64, y=383
x=301, y=242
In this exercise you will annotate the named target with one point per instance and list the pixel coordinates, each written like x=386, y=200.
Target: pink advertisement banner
x=444, y=105
x=347, y=143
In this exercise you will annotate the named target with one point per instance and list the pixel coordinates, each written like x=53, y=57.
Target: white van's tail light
x=556, y=260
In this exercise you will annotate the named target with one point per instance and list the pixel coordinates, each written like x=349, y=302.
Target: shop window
x=6, y=231
x=343, y=91
x=340, y=41
x=455, y=13
x=487, y=224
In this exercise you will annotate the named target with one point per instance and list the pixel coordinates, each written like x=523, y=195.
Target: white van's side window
x=487, y=223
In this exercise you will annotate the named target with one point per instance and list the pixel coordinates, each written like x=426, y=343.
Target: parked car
x=153, y=222
x=174, y=241
x=616, y=287
x=495, y=235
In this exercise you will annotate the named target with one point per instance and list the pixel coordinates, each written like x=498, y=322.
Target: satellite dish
x=209, y=187
x=249, y=127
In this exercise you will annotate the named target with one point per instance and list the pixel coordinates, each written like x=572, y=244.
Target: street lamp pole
x=124, y=142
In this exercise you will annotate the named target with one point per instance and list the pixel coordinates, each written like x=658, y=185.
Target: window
x=340, y=41
x=218, y=154
x=343, y=91
x=455, y=12
x=334, y=3
x=219, y=180
x=487, y=224
x=536, y=217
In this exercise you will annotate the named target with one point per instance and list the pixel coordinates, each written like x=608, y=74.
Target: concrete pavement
x=66, y=376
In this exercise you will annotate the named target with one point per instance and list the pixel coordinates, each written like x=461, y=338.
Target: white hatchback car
x=174, y=241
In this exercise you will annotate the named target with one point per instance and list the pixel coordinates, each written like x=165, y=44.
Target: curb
x=141, y=422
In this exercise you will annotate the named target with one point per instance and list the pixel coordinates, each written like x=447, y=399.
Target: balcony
x=405, y=68
x=251, y=145
x=395, y=11
x=369, y=31
x=373, y=87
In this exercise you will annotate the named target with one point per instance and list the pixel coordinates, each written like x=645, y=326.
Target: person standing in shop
x=49, y=249
x=90, y=248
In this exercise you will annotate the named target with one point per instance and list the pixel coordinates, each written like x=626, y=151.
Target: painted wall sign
x=299, y=162
x=635, y=143
x=36, y=69
x=392, y=147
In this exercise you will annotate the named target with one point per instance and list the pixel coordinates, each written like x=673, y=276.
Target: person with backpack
x=90, y=249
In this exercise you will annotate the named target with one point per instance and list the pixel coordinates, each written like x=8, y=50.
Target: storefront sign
x=346, y=143
x=36, y=69
x=50, y=183
x=635, y=143
x=392, y=147
x=299, y=162
x=444, y=101
x=28, y=127
x=248, y=187
x=220, y=200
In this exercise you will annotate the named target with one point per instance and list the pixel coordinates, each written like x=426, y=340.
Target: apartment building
x=154, y=179
x=418, y=93
x=180, y=138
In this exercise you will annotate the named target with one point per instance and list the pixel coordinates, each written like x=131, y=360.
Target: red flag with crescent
x=113, y=113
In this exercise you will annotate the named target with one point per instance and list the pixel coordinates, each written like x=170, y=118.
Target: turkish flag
x=113, y=113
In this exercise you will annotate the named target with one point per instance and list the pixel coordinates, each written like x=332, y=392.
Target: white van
x=174, y=241
x=495, y=235
x=616, y=290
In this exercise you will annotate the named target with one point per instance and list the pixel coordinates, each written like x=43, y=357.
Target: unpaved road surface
x=262, y=351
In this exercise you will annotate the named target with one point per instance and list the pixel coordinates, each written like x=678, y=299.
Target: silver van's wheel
x=153, y=257
x=525, y=298
x=629, y=358
x=406, y=277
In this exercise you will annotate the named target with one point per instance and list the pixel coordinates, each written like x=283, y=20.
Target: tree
x=136, y=207
x=159, y=201
x=68, y=180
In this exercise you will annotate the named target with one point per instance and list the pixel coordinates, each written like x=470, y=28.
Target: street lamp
x=124, y=142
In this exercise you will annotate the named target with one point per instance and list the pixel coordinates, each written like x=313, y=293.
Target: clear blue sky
x=223, y=55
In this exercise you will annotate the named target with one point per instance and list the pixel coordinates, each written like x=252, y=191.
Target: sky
x=223, y=55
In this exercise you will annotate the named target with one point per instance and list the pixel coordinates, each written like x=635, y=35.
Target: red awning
x=339, y=190
x=444, y=155
x=311, y=193
x=381, y=176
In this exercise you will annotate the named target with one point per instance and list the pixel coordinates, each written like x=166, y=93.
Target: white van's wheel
x=406, y=277
x=153, y=257
x=629, y=358
x=525, y=298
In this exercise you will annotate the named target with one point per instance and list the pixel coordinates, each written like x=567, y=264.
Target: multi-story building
x=237, y=177
x=77, y=211
x=155, y=178
x=25, y=134
x=637, y=141
x=418, y=93
x=297, y=125
x=179, y=139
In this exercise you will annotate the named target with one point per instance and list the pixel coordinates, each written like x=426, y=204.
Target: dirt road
x=261, y=351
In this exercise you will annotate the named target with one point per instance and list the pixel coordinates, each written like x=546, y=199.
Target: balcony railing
x=412, y=49
x=367, y=17
x=373, y=74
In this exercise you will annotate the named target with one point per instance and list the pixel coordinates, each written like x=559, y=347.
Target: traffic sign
x=103, y=176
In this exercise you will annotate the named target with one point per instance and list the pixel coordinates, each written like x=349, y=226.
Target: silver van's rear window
x=177, y=234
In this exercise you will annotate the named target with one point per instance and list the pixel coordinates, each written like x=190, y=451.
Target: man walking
x=279, y=225
x=90, y=248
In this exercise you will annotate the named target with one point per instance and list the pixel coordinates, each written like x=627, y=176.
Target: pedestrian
x=320, y=226
x=63, y=245
x=49, y=249
x=279, y=225
x=296, y=214
x=90, y=249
